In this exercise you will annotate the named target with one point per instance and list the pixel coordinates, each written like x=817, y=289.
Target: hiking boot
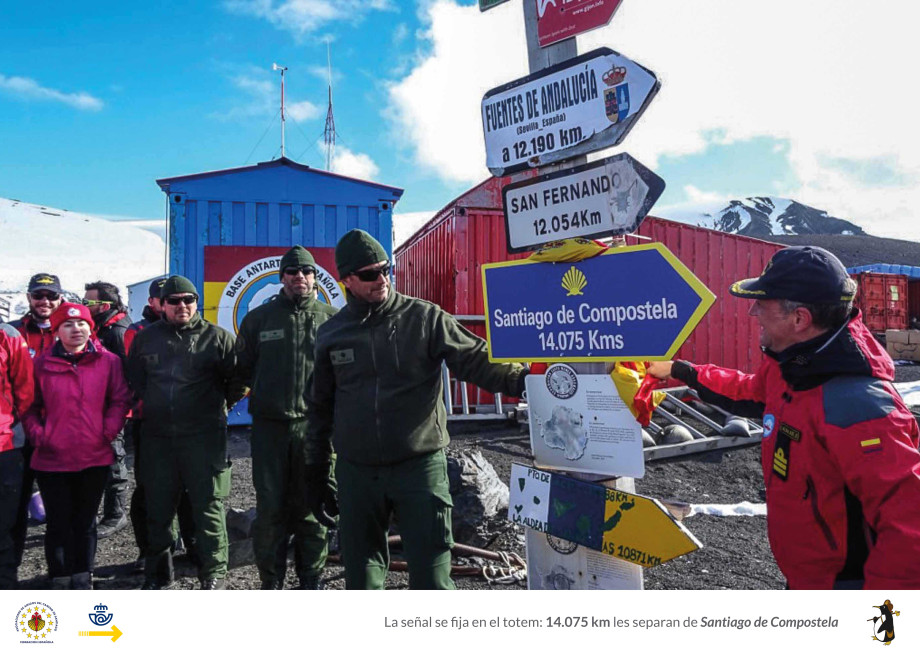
x=82, y=581
x=214, y=584
x=271, y=584
x=310, y=582
x=111, y=526
x=114, y=512
x=61, y=583
x=140, y=563
x=156, y=584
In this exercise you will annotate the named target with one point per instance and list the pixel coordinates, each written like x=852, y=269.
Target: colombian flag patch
x=871, y=445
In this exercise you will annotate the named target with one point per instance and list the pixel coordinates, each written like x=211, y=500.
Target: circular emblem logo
x=257, y=282
x=561, y=546
x=561, y=381
x=768, y=422
x=72, y=312
x=36, y=622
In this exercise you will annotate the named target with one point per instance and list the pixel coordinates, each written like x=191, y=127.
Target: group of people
x=367, y=375
x=349, y=427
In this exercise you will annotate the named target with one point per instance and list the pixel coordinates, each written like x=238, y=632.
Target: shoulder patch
x=852, y=400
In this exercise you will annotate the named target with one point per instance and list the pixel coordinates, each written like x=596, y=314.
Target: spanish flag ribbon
x=637, y=390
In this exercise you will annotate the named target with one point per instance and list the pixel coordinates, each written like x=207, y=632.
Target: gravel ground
x=735, y=553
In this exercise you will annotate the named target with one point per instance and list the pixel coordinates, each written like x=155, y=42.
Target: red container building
x=883, y=300
x=442, y=262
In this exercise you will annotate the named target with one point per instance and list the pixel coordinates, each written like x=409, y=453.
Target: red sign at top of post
x=561, y=19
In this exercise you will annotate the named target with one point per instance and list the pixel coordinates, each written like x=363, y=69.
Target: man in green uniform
x=274, y=349
x=181, y=368
x=377, y=388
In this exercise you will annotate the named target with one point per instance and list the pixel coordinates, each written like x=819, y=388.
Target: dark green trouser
x=277, y=473
x=417, y=492
x=198, y=464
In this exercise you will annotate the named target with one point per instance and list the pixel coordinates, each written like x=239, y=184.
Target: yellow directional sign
x=627, y=526
x=115, y=633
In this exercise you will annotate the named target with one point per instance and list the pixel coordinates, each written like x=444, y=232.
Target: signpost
x=485, y=5
x=606, y=197
x=633, y=303
x=578, y=106
x=627, y=526
x=580, y=423
x=562, y=19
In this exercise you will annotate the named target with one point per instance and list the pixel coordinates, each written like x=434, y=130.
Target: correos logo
x=257, y=282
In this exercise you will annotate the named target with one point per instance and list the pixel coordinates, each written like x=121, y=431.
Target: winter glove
x=320, y=493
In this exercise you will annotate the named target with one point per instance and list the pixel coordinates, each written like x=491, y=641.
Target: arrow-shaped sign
x=628, y=526
x=607, y=197
x=631, y=303
x=115, y=633
x=579, y=106
x=563, y=19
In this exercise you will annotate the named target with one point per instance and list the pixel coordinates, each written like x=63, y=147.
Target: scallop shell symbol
x=574, y=281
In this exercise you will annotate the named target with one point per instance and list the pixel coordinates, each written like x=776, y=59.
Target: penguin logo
x=886, y=628
x=768, y=422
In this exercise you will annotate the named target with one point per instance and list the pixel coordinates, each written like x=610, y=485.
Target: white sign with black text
x=607, y=197
x=582, y=105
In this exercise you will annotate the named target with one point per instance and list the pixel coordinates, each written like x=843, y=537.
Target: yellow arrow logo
x=115, y=633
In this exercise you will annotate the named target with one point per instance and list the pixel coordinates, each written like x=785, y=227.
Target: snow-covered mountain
x=767, y=216
x=79, y=248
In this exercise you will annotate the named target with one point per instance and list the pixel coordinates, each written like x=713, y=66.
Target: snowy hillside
x=767, y=216
x=78, y=248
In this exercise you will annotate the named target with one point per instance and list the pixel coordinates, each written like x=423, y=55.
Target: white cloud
x=349, y=163
x=260, y=97
x=406, y=224
x=303, y=17
x=828, y=78
x=30, y=89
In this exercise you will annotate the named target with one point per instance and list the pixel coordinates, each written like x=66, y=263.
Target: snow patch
x=744, y=509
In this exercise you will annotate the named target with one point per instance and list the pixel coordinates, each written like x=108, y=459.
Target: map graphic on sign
x=628, y=526
x=238, y=279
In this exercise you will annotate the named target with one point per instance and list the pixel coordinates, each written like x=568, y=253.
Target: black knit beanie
x=175, y=285
x=296, y=256
x=356, y=250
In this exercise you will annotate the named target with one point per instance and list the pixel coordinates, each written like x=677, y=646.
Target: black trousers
x=71, y=501
x=21, y=526
x=10, y=484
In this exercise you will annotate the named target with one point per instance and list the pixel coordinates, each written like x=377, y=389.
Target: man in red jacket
x=16, y=393
x=840, y=449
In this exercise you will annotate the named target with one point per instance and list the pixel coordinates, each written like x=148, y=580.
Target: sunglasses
x=45, y=295
x=372, y=275
x=306, y=270
x=187, y=300
x=93, y=303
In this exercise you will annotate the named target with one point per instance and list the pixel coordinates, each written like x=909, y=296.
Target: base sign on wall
x=582, y=105
x=238, y=279
x=627, y=526
x=632, y=303
x=607, y=197
x=563, y=19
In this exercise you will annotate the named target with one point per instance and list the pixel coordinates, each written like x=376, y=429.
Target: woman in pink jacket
x=81, y=399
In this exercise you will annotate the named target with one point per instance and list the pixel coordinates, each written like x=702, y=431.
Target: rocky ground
x=735, y=553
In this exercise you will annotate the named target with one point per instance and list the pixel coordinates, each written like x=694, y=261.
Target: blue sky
x=97, y=99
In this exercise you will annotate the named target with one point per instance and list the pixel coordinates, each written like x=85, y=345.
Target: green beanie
x=356, y=250
x=296, y=256
x=175, y=285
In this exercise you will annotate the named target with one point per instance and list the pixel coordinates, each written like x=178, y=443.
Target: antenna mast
x=329, y=130
x=278, y=67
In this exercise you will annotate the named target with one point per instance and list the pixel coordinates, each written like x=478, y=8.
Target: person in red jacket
x=16, y=391
x=840, y=448
x=81, y=399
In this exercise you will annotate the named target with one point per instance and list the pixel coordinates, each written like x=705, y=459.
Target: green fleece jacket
x=274, y=351
x=377, y=380
x=183, y=376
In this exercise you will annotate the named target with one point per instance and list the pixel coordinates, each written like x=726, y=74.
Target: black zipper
x=812, y=493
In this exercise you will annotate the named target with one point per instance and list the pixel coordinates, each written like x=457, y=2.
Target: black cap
x=802, y=274
x=45, y=282
x=156, y=286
